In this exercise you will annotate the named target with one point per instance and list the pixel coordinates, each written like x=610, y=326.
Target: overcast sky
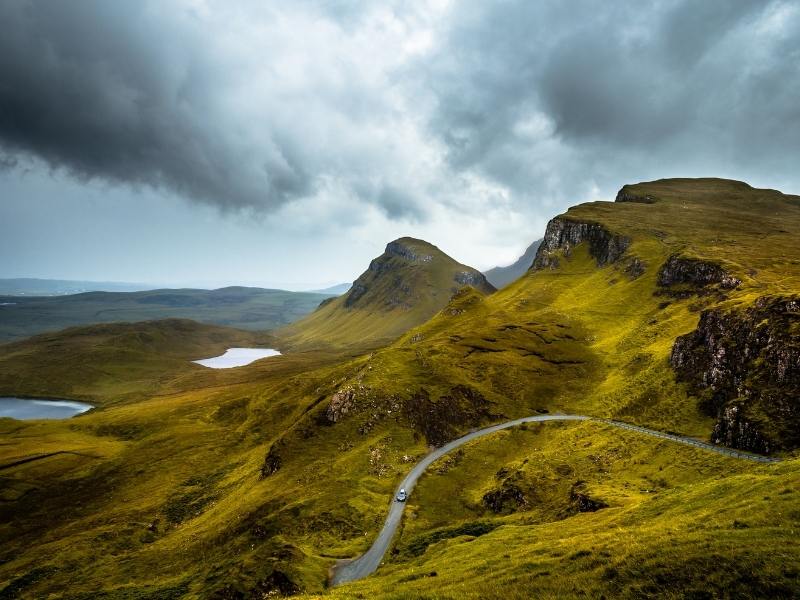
x=205, y=142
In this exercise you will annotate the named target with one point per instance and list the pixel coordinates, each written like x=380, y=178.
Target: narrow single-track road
x=368, y=562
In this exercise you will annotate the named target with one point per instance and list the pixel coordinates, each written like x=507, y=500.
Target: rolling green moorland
x=676, y=307
x=253, y=309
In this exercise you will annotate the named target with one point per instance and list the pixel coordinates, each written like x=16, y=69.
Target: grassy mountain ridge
x=254, y=309
x=256, y=482
x=403, y=287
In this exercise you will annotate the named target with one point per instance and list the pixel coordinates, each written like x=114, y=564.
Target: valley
x=634, y=392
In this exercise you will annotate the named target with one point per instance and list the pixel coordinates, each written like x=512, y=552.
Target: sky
x=283, y=144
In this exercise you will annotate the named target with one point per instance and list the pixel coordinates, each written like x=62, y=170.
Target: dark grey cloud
x=550, y=97
x=144, y=93
x=119, y=91
x=320, y=110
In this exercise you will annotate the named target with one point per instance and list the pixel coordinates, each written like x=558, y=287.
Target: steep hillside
x=254, y=484
x=254, y=309
x=405, y=286
x=500, y=277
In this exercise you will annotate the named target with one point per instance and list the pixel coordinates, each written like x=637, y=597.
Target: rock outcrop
x=508, y=498
x=272, y=462
x=439, y=420
x=398, y=248
x=744, y=365
x=581, y=502
x=678, y=270
x=563, y=234
x=471, y=278
x=342, y=402
x=626, y=194
x=356, y=292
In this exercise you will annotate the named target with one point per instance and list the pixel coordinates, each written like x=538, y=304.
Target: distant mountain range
x=29, y=286
x=334, y=290
x=254, y=309
x=500, y=277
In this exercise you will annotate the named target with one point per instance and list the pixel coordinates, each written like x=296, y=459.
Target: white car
x=401, y=495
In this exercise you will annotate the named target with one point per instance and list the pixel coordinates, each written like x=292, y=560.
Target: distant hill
x=114, y=362
x=500, y=277
x=29, y=286
x=255, y=309
x=334, y=290
x=404, y=287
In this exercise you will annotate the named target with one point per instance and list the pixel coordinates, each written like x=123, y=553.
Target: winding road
x=368, y=562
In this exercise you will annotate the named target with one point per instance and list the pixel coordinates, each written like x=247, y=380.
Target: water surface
x=237, y=357
x=32, y=408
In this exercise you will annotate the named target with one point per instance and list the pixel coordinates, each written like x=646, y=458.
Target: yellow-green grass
x=672, y=512
x=116, y=362
x=577, y=339
x=165, y=491
x=720, y=537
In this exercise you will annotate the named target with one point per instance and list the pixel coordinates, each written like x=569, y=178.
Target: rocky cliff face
x=472, y=278
x=745, y=367
x=564, y=234
x=398, y=248
x=695, y=272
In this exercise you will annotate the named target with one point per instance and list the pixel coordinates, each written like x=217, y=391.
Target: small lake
x=237, y=357
x=31, y=408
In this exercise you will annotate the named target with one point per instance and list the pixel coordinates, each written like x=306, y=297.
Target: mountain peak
x=412, y=249
x=403, y=287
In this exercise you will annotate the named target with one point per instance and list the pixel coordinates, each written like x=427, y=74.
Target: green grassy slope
x=254, y=309
x=405, y=286
x=678, y=523
x=114, y=362
x=256, y=481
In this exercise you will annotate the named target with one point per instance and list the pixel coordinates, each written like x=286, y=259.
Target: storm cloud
x=174, y=95
x=586, y=91
x=473, y=122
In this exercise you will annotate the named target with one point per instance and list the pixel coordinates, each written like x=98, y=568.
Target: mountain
x=403, y=287
x=500, y=277
x=334, y=290
x=246, y=308
x=676, y=308
x=28, y=286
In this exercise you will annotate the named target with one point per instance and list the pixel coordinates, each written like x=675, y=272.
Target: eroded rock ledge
x=696, y=272
x=399, y=249
x=626, y=195
x=744, y=365
x=564, y=234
